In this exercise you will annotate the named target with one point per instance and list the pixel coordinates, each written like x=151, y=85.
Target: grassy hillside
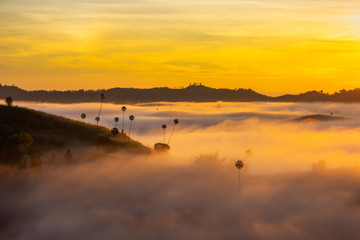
x=50, y=132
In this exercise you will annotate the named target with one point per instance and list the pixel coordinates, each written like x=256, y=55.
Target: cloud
x=135, y=198
x=231, y=128
x=192, y=192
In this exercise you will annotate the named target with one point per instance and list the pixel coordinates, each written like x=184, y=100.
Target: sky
x=270, y=46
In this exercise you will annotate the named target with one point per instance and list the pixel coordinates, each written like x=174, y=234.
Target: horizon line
x=195, y=84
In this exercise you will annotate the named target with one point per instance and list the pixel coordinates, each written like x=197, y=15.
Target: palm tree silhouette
x=164, y=127
x=239, y=165
x=116, y=121
x=97, y=119
x=131, y=117
x=123, y=109
x=176, y=122
x=9, y=101
x=83, y=116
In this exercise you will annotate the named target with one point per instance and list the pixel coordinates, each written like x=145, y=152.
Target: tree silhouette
x=114, y=131
x=161, y=147
x=83, y=116
x=123, y=109
x=9, y=101
x=116, y=121
x=131, y=117
x=97, y=119
x=239, y=165
x=176, y=122
x=164, y=127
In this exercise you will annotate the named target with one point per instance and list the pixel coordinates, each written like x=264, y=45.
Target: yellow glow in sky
x=271, y=46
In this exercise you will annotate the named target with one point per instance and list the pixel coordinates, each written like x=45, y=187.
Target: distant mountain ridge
x=192, y=93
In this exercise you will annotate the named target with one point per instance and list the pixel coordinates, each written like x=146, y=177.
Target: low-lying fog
x=278, y=144
x=193, y=192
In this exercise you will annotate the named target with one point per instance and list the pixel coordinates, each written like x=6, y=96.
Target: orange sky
x=271, y=46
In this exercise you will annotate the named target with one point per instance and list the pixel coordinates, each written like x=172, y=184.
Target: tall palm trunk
x=123, y=125
x=164, y=135
x=239, y=181
x=129, y=131
x=171, y=134
x=97, y=123
x=100, y=108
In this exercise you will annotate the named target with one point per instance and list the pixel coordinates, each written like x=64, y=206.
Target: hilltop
x=192, y=93
x=317, y=117
x=25, y=130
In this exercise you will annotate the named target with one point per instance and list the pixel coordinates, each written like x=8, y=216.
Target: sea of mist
x=278, y=144
x=193, y=191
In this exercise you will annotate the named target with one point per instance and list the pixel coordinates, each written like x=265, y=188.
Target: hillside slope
x=50, y=132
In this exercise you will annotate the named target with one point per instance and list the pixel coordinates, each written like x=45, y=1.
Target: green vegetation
x=25, y=133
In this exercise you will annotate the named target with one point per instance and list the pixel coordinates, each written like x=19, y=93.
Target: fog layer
x=300, y=179
x=147, y=199
x=279, y=145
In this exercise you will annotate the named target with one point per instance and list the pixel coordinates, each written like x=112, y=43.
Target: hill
x=192, y=93
x=317, y=117
x=27, y=132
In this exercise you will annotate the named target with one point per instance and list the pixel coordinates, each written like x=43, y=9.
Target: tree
x=164, y=127
x=116, y=121
x=161, y=147
x=239, y=165
x=9, y=101
x=123, y=109
x=131, y=117
x=114, y=131
x=14, y=147
x=176, y=122
x=97, y=119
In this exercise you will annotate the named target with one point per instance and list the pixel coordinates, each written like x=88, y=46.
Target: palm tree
x=164, y=127
x=239, y=165
x=97, y=119
x=83, y=116
x=176, y=122
x=131, y=117
x=123, y=109
x=9, y=101
x=116, y=121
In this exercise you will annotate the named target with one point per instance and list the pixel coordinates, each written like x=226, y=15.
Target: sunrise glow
x=271, y=46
